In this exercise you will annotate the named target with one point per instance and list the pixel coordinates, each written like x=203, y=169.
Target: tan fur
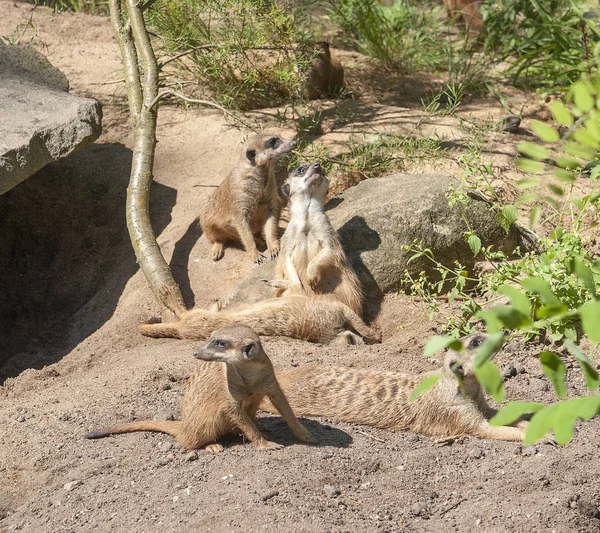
x=315, y=319
x=223, y=395
x=381, y=399
x=466, y=14
x=322, y=73
x=312, y=260
x=246, y=204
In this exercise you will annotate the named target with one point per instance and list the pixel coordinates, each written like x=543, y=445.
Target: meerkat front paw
x=216, y=251
x=259, y=258
x=273, y=252
x=306, y=436
x=313, y=276
x=268, y=445
x=213, y=448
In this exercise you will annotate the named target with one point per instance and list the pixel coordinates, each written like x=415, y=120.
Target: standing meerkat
x=312, y=260
x=314, y=319
x=381, y=399
x=247, y=204
x=223, y=395
x=321, y=73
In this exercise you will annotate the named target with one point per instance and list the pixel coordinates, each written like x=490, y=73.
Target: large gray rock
x=40, y=121
x=378, y=216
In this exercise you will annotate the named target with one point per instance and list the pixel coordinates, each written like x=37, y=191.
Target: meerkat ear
x=457, y=369
x=251, y=155
x=285, y=189
x=251, y=350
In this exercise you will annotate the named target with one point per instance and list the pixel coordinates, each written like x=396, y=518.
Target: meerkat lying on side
x=247, y=203
x=223, y=395
x=381, y=399
x=315, y=319
x=312, y=260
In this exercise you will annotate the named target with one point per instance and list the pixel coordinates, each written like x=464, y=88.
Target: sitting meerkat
x=381, y=399
x=247, y=203
x=312, y=260
x=223, y=395
x=321, y=73
x=314, y=319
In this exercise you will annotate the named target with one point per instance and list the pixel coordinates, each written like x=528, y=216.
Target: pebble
x=331, y=491
x=509, y=124
x=509, y=372
x=526, y=451
x=20, y=418
x=417, y=509
x=163, y=415
x=538, y=384
x=72, y=485
x=269, y=495
x=163, y=461
x=519, y=368
x=477, y=453
x=166, y=447
x=192, y=456
x=165, y=386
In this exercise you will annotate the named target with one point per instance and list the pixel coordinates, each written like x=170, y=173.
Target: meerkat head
x=232, y=344
x=307, y=180
x=461, y=364
x=266, y=148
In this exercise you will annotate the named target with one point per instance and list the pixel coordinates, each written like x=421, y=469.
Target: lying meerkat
x=247, y=203
x=321, y=73
x=223, y=397
x=381, y=399
x=312, y=260
x=315, y=319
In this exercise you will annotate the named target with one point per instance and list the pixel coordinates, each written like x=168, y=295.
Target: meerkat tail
x=355, y=323
x=160, y=330
x=159, y=426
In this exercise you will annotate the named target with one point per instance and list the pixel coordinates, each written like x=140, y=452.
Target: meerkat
x=247, y=204
x=311, y=260
x=321, y=73
x=223, y=395
x=314, y=319
x=466, y=14
x=381, y=399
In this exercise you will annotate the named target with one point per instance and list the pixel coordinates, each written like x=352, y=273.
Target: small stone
x=165, y=386
x=478, y=522
x=331, y=491
x=72, y=485
x=509, y=372
x=366, y=485
x=416, y=509
x=519, y=368
x=527, y=451
x=477, y=453
x=509, y=124
x=269, y=495
x=166, y=447
x=163, y=415
x=192, y=456
x=537, y=384
x=163, y=461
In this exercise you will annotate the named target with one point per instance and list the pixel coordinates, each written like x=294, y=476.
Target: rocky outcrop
x=40, y=121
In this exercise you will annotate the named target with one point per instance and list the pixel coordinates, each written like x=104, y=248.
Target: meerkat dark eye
x=273, y=143
x=302, y=170
x=476, y=342
x=219, y=344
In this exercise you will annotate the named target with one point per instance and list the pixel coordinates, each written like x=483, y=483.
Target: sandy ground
x=72, y=360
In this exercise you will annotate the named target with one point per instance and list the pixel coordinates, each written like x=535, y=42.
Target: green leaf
x=528, y=183
x=510, y=214
x=518, y=300
x=589, y=372
x=544, y=132
x=513, y=411
x=529, y=165
x=566, y=176
x=488, y=349
x=437, y=343
x=564, y=420
x=561, y=114
x=582, y=97
x=578, y=150
x=489, y=376
x=492, y=323
x=533, y=150
x=511, y=318
x=586, y=138
x=526, y=198
x=559, y=191
x=592, y=126
x=534, y=215
x=590, y=319
x=475, y=244
x=549, y=311
x=585, y=274
x=569, y=163
x=425, y=384
x=539, y=286
x=539, y=426
x=555, y=370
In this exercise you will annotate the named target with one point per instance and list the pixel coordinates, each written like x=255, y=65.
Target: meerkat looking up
x=247, y=204
x=312, y=260
x=223, y=395
x=381, y=399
